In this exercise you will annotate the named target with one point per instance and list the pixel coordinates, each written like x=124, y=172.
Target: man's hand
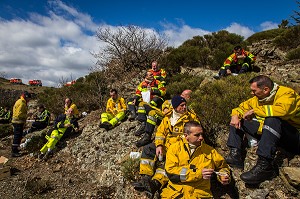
x=235, y=121
x=206, y=173
x=249, y=115
x=67, y=125
x=159, y=151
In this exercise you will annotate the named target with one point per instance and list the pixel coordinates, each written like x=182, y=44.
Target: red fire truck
x=35, y=82
x=15, y=81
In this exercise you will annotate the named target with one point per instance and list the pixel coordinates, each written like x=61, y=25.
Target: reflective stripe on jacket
x=232, y=59
x=119, y=105
x=20, y=111
x=157, y=89
x=44, y=117
x=185, y=170
x=286, y=105
x=167, y=134
x=159, y=75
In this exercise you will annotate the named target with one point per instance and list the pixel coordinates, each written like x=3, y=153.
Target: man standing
x=272, y=116
x=190, y=163
x=18, y=121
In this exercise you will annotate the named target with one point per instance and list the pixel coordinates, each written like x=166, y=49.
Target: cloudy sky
x=53, y=40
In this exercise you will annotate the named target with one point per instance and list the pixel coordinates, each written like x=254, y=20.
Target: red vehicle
x=70, y=83
x=15, y=81
x=35, y=82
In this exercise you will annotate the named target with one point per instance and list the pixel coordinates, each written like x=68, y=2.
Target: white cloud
x=268, y=25
x=48, y=47
x=178, y=34
x=240, y=30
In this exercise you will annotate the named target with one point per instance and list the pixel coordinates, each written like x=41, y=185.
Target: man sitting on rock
x=272, y=115
x=64, y=125
x=42, y=120
x=153, y=154
x=158, y=73
x=115, y=111
x=190, y=163
x=5, y=116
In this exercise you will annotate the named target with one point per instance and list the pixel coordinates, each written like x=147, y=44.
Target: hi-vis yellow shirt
x=286, y=105
x=118, y=105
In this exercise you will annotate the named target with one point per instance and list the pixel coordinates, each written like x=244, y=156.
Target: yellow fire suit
x=286, y=105
x=20, y=111
x=59, y=131
x=165, y=135
x=185, y=170
x=75, y=109
x=115, y=111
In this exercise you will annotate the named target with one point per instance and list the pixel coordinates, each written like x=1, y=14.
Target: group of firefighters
x=178, y=163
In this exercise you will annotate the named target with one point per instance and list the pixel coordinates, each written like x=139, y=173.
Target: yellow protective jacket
x=167, y=134
x=75, y=110
x=232, y=59
x=20, y=111
x=286, y=105
x=119, y=105
x=185, y=170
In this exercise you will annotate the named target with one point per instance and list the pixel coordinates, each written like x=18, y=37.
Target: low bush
x=130, y=169
x=268, y=34
x=293, y=54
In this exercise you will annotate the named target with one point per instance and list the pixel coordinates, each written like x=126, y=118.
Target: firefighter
x=240, y=61
x=149, y=117
x=153, y=154
x=158, y=73
x=190, y=163
x=5, y=116
x=157, y=92
x=272, y=116
x=18, y=121
x=70, y=104
x=115, y=110
x=42, y=120
x=64, y=125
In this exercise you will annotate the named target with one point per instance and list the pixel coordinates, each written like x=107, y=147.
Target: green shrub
x=130, y=169
x=213, y=102
x=293, y=54
x=6, y=130
x=181, y=82
x=290, y=38
x=268, y=34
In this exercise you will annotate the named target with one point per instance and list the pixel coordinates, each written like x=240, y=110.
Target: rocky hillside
x=90, y=164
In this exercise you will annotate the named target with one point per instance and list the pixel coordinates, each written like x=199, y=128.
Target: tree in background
x=128, y=47
x=296, y=16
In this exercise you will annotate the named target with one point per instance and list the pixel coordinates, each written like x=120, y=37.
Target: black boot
x=132, y=116
x=146, y=139
x=141, y=130
x=263, y=170
x=234, y=158
x=151, y=187
x=139, y=185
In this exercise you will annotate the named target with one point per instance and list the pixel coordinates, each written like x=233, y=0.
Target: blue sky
x=52, y=40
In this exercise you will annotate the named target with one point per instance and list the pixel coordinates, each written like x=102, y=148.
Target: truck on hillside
x=70, y=83
x=35, y=82
x=15, y=80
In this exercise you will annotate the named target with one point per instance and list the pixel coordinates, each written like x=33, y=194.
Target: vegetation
x=130, y=169
x=268, y=34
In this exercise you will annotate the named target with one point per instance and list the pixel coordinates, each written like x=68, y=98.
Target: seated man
x=70, y=104
x=42, y=120
x=149, y=117
x=5, y=116
x=156, y=93
x=190, y=164
x=115, y=110
x=64, y=125
x=240, y=61
x=158, y=73
x=272, y=115
x=166, y=134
